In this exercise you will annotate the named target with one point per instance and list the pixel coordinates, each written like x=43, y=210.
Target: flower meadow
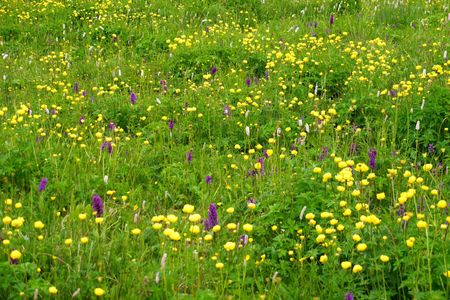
x=224, y=149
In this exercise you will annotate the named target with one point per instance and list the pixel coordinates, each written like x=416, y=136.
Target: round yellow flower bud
x=99, y=292
x=346, y=265
x=384, y=258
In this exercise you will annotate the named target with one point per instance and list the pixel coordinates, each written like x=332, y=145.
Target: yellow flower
x=323, y=259
x=194, y=218
x=99, y=292
x=269, y=152
x=356, y=237
x=84, y=240
x=53, y=290
x=447, y=274
x=384, y=258
x=216, y=228
x=208, y=237
x=172, y=218
x=442, y=204
x=82, y=217
x=357, y=268
x=38, y=225
x=346, y=265
x=7, y=220
x=310, y=216
x=320, y=238
x=248, y=227
x=219, y=265
x=136, y=231
x=230, y=210
x=229, y=246
x=381, y=196
x=410, y=242
x=68, y=242
x=231, y=226
x=361, y=247
x=194, y=229
x=157, y=226
x=175, y=236
x=274, y=228
x=99, y=220
x=258, y=166
x=251, y=205
x=317, y=170
x=421, y=224
x=427, y=167
x=15, y=254
x=188, y=209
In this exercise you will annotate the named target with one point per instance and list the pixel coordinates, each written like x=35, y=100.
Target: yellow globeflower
x=346, y=265
x=84, y=240
x=7, y=220
x=421, y=224
x=208, y=238
x=442, y=204
x=157, y=226
x=216, y=228
x=188, y=209
x=82, y=217
x=248, y=227
x=38, y=225
x=231, y=226
x=229, y=246
x=323, y=259
x=99, y=292
x=53, y=290
x=381, y=196
x=219, y=265
x=427, y=167
x=175, y=236
x=68, y=242
x=194, y=218
x=357, y=268
x=384, y=258
x=15, y=254
x=136, y=231
x=361, y=247
x=194, y=229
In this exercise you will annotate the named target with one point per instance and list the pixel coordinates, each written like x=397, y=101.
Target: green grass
x=279, y=137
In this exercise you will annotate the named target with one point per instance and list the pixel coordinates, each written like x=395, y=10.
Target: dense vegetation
x=254, y=149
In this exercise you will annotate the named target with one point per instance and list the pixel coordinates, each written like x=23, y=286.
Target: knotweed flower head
x=97, y=205
x=227, y=111
x=42, y=184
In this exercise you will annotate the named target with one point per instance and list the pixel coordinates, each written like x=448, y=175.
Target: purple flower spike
x=248, y=81
x=133, y=98
x=97, y=205
x=189, y=156
x=42, y=184
x=348, y=296
x=243, y=239
x=112, y=126
x=108, y=146
x=208, y=179
x=213, y=70
x=171, y=124
x=372, y=156
x=213, y=218
x=75, y=88
x=331, y=19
